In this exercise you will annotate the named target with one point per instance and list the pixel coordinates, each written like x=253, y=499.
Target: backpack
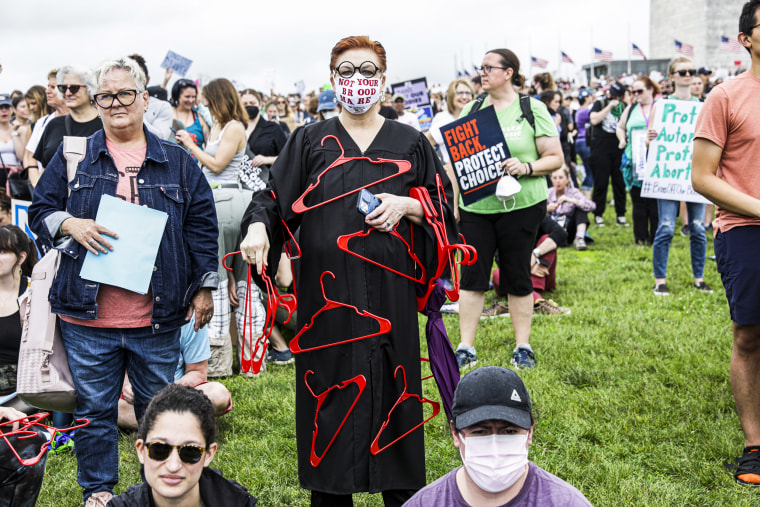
x=527, y=112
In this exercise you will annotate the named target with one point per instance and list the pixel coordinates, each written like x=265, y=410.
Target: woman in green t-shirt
x=508, y=228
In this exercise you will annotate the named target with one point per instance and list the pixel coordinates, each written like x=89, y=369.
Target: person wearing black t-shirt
x=76, y=86
x=606, y=155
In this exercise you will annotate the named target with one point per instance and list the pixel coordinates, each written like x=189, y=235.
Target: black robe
x=347, y=466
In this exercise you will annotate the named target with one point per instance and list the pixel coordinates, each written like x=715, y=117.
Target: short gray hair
x=126, y=64
x=83, y=73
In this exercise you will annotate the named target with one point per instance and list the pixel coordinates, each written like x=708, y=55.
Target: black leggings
x=605, y=162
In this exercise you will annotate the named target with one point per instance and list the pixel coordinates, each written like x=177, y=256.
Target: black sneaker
x=661, y=290
x=747, y=467
x=703, y=287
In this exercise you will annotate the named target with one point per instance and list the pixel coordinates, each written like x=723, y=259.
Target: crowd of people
x=260, y=191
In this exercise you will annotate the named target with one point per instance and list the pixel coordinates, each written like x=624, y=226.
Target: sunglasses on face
x=124, y=97
x=72, y=88
x=637, y=92
x=685, y=72
x=160, y=451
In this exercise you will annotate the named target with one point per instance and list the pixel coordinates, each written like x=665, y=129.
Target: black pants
x=19, y=484
x=645, y=217
x=391, y=498
x=605, y=164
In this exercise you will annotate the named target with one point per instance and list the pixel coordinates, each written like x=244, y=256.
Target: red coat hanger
x=274, y=300
x=24, y=431
x=375, y=448
x=343, y=245
x=300, y=207
x=295, y=347
x=361, y=382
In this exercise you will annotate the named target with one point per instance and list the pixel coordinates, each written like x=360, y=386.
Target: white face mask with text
x=495, y=462
x=358, y=94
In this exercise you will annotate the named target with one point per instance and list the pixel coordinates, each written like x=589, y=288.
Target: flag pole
x=629, y=49
x=591, y=34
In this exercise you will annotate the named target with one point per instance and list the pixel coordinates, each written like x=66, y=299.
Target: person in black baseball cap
x=492, y=426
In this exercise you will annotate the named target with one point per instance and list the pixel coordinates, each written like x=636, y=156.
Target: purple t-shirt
x=541, y=489
x=581, y=119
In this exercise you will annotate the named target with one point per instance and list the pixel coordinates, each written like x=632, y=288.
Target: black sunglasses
x=124, y=97
x=72, y=88
x=160, y=451
x=347, y=69
x=684, y=72
x=636, y=92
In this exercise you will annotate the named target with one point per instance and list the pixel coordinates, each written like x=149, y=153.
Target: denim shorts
x=736, y=252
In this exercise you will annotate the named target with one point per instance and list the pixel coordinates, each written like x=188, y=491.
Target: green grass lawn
x=631, y=393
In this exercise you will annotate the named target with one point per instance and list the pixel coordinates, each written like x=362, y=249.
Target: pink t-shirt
x=729, y=119
x=117, y=307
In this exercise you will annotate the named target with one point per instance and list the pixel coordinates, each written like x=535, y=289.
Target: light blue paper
x=130, y=264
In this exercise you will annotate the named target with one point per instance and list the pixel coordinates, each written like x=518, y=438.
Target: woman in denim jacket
x=108, y=330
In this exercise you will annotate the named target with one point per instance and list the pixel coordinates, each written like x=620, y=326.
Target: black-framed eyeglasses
x=160, y=451
x=72, y=88
x=486, y=69
x=124, y=97
x=347, y=70
x=684, y=72
x=636, y=92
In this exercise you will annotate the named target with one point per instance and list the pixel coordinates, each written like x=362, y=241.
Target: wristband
x=530, y=168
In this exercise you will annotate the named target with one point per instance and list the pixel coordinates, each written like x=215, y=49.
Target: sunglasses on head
x=72, y=88
x=160, y=451
x=684, y=72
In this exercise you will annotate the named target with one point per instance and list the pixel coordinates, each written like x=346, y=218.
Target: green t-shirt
x=521, y=142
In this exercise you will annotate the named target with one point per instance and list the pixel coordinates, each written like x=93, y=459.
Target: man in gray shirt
x=492, y=425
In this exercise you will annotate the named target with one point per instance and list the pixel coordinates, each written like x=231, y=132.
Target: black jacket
x=216, y=491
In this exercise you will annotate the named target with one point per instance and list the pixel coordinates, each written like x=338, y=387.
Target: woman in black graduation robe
x=347, y=466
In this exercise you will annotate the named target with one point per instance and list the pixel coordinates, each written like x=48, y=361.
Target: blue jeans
x=98, y=358
x=667, y=211
x=582, y=149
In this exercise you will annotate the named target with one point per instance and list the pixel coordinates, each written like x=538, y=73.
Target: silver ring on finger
x=388, y=225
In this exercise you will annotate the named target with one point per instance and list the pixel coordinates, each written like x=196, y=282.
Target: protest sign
x=415, y=92
x=178, y=63
x=425, y=117
x=477, y=149
x=668, y=168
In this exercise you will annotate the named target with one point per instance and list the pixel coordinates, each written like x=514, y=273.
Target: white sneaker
x=599, y=221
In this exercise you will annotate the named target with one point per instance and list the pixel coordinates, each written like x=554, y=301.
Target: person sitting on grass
x=569, y=207
x=176, y=443
x=492, y=426
x=192, y=371
x=543, y=272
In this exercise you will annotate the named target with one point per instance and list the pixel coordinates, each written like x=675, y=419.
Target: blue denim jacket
x=168, y=180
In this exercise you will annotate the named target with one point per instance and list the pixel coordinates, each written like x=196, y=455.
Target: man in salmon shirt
x=725, y=171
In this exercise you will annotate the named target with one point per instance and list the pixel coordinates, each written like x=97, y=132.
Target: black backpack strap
x=527, y=112
x=67, y=124
x=478, y=102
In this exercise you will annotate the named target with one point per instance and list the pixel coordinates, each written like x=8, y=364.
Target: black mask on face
x=252, y=111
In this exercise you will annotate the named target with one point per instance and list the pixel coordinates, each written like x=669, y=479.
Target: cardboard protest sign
x=668, y=168
x=178, y=63
x=477, y=148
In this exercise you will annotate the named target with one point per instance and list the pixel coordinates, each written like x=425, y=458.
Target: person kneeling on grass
x=492, y=426
x=175, y=445
x=192, y=371
x=543, y=273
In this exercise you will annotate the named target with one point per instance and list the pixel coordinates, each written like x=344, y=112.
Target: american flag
x=684, y=49
x=603, y=56
x=727, y=44
x=566, y=58
x=637, y=51
x=538, y=62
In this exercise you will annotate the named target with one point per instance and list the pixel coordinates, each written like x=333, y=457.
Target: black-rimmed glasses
x=347, y=70
x=486, y=69
x=636, y=92
x=124, y=97
x=72, y=88
x=684, y=72
x=160, y=451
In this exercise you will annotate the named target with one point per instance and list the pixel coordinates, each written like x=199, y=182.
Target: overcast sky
x=260, y=44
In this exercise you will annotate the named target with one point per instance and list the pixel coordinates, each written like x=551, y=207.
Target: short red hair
x=357, y=42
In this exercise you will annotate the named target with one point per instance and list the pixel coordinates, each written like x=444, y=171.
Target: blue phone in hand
x=367, y=202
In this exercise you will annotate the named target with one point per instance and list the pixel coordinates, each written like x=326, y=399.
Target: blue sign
x=178, y=63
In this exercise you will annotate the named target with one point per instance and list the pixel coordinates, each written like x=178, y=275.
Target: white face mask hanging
x=507, y=188
x=495, y=462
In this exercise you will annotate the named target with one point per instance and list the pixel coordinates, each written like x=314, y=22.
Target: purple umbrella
x=443, y=361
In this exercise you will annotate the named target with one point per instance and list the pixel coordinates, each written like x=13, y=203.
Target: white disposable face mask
x=495, y=462
x=358, y=94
